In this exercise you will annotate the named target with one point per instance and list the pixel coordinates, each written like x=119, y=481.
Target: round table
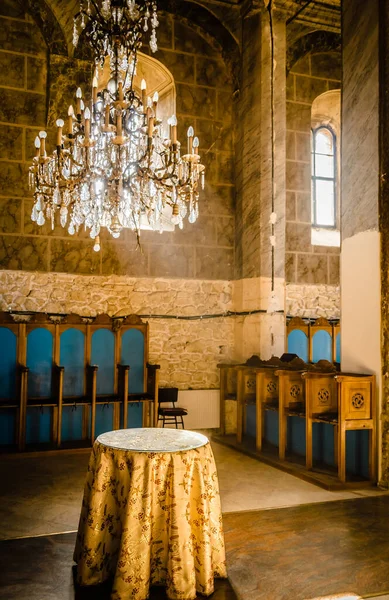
x=151, y=515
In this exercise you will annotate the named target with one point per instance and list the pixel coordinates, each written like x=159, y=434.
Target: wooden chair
x=171, y=414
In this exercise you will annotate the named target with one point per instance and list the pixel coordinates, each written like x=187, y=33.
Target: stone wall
x=204, y=250
x=313, y=301
x=187, y=350
x=309, y=77
x=23, y=76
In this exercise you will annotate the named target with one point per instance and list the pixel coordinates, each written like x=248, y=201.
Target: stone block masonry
x=306, y=264
x=204, y=250
x=187, y=350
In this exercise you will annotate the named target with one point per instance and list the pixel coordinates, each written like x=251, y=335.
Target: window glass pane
x=324, y=141
x=324, y=165
x=325, y=212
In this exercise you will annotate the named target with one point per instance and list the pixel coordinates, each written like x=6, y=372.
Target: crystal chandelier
x=112, y=166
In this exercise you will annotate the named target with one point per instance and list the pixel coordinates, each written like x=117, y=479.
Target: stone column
x=384, y=228
x=273, y=160
x=360, y=252
x=261, y=333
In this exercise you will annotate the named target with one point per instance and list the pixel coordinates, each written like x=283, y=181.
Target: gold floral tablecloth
x=151, y=515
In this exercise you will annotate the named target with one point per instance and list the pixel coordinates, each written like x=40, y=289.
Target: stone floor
x=41, y=568
x=43, y=493
x=286, y=539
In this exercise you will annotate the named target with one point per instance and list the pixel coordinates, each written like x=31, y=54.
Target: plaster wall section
x=361, y=240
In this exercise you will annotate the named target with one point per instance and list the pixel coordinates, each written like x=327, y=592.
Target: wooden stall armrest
x=124, y=371
x=58, y=372
x=318, y=374
x=91, y=371
x=152, y=388
x=350, y=376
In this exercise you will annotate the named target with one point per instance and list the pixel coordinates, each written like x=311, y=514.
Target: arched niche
x=158, y=79
x=326, y=112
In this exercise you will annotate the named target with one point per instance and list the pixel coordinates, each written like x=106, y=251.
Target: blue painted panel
x=321, y=346
x=104, y=418
x=298, y=344
x=7, y=363
x=271, y=427
x=72, y=345
x=251, y=427
x=357, y=452
x=39, y=361
x=135, y=415
x=7, y=426
x=103, y=355
x=338, y=348
x=38, y=425
x=296, y=435
x=71, y=423
x=327, y=454
x=132, y=353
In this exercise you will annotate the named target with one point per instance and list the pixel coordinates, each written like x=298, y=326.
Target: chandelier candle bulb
x=119, y=124
x=37, y=144
x=78, y=101
x=94, y=90
x=190, y=139
x=144, y=95
x=173, y=130
x=43, y=136
x=107, y=109
x=155, y=103
x=87, y=124
x=151, y=127
x=59, y=123
x=120, y=91
x=70, y=120
x=196, y=144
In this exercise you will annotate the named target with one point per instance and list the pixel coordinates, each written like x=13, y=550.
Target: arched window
x=323, y=177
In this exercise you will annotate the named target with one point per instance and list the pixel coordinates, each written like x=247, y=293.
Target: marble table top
x=153, y=440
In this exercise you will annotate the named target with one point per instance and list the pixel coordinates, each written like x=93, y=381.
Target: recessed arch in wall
x=158, y=79
x=326, y=113
x=315, y=43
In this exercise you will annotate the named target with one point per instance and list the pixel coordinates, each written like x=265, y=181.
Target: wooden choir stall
x=66, y=379
x=300, y=408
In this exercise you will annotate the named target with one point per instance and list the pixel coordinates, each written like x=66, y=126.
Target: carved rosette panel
x=358, y=400
x=271, y=387
x=250, y=384
x=295, y=391
x=323, y=396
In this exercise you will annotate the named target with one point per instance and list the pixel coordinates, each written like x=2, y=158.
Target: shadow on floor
x=41, y=568
x=309, y=551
